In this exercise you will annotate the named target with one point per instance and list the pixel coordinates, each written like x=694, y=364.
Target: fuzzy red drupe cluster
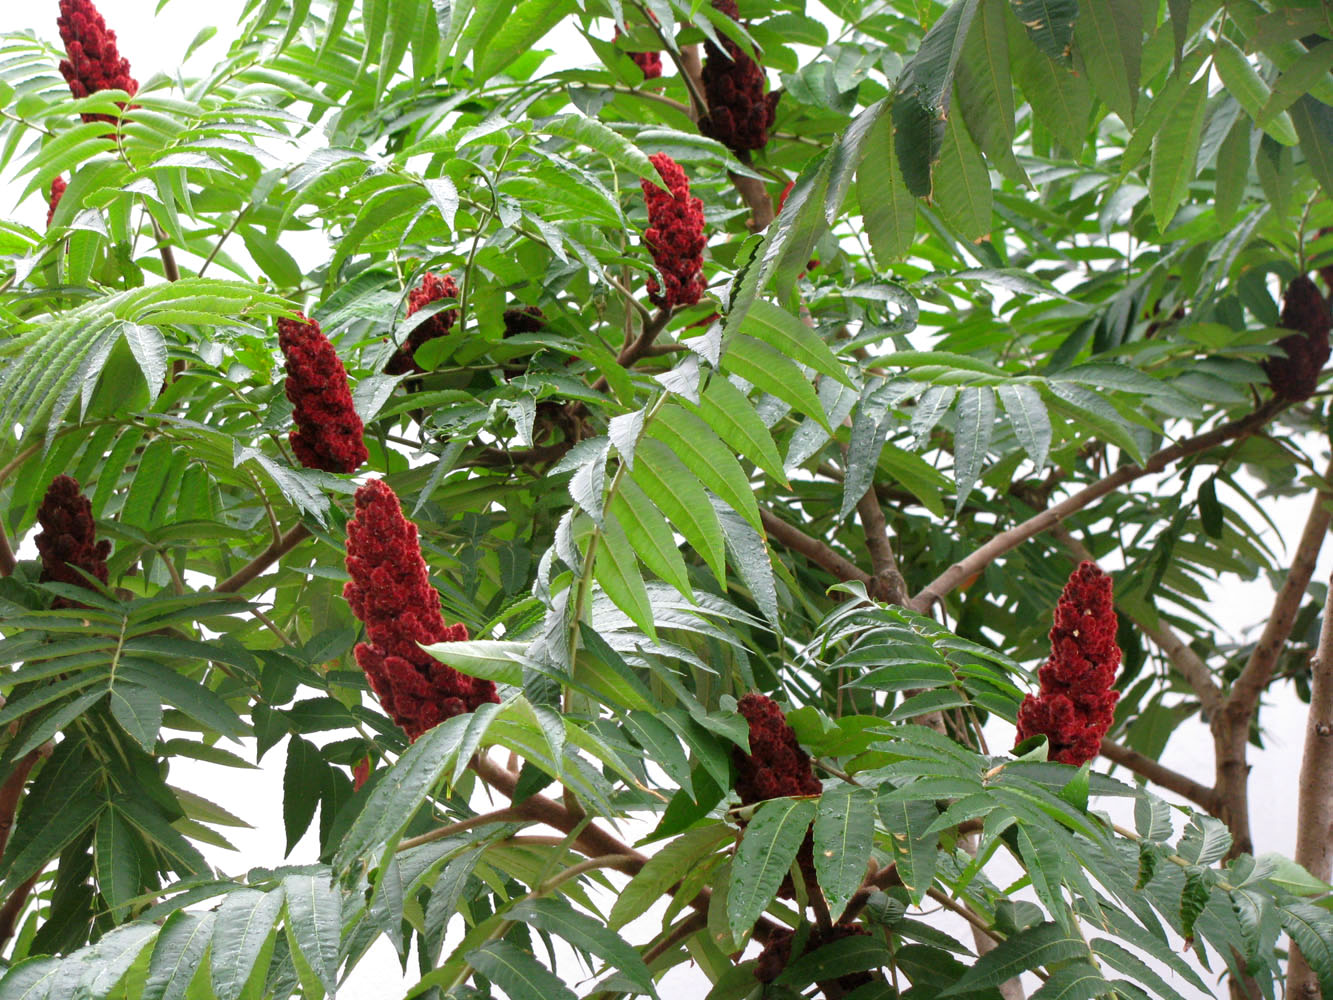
x=739, y=112
x=58, y=186
x=1294, y=373
x=390, y=592
x=432, y=289
x=1075, y=707
x=328, y=433
x=67, y=542
x=776, y=765
x=675, y=235
x=776, y=956
x=92, y=60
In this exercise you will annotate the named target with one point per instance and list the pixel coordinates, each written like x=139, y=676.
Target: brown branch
x=754, y=193
x=888, y=584
x=7, y=558
x=1187, y=662
x=692, y=924
x=12, y=790
x=1314, y=793
x=691, y=70
x=982, y=557
x=1201, y=795
x=170, y=270
x=1258, y=670
x=508, y=815
x=877, y=878
x=10, y=912
x=813, y=549
x=589, y=839
x=278, y=548
x=639, y=347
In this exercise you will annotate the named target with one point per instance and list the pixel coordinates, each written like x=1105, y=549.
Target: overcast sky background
x=154, y=43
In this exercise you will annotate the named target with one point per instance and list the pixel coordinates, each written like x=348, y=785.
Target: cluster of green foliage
x=1048, y=245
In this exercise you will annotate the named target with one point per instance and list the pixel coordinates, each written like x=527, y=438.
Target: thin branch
x=977, y=923
x=813, y=549
x=223, y=239
x=278, y=548
x=1201, y=795
x=1005, y=541
x=692, y=924
x=10, y=912
x=1258, y=670
x=651, y=95
x=754, y=193
x=877, y=878
x=507, y=815
x=592, y=840
x=1314, y=793
x=12, y=790
x=7, y=559
x=639, y=347
x=170, y=270
x=888, y=585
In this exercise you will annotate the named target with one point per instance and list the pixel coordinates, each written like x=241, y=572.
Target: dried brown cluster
x=1294, y=374
x=739, y=112
x=777, y=955
x=67, y=542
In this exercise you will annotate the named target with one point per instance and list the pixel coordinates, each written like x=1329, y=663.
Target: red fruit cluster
x=92, y=60
x=776, y=765
x=1294, y=374
x=739, y=112
x=67, y=542
x=1075, y=707
x=328, y=433
x=58, y=186
x=675, y=235
x=777, y=955
x=649, y=63
x=431, y=289
x=390, y=592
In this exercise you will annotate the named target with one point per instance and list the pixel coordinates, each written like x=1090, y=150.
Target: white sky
x=154, y=43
